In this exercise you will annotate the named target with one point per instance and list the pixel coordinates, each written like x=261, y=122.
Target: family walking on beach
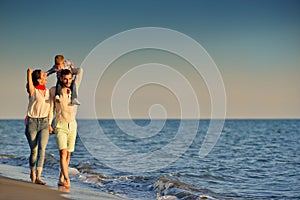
x=59, y=103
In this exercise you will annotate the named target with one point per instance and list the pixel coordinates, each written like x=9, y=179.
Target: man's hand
x=74, y=70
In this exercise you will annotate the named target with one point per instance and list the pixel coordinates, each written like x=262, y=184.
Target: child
x=60, y=64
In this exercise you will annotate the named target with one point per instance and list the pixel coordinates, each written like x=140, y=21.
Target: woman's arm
x=52, y=107
x=29, y=82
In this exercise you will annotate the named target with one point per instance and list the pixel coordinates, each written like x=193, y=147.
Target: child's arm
x=51, y=70
x=70, y=65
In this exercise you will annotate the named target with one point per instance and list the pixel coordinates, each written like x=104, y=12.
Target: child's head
x=59, y=61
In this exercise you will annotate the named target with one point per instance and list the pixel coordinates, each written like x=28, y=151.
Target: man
x=65, y=123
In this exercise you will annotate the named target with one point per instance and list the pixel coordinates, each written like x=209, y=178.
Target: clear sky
x=254, y=43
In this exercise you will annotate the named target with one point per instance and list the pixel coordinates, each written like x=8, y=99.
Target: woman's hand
x=29, y=71
x=51, y=131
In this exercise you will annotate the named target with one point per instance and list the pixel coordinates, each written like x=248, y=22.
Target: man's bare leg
x=64, y=165
x=61, y=176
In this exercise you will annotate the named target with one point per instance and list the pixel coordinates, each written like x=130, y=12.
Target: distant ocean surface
x=253, y=159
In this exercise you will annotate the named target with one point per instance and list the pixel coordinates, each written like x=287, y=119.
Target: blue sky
x=255, y=44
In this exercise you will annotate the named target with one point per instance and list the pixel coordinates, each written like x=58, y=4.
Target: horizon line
x=173, y=118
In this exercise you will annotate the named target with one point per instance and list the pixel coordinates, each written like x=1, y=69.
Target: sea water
x=252, y=159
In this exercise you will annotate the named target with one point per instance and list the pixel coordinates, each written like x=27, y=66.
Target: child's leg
x=74, y=99
x=74, y=90
x=57, y=88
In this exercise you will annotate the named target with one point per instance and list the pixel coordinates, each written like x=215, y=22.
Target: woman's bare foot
x=40, y=181
x=32, y=176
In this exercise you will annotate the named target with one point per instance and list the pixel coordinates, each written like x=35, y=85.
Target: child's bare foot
x=75, y=102
x=57, y=99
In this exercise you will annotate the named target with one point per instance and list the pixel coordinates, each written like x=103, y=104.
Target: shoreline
x=17, y=189
x=15, y=185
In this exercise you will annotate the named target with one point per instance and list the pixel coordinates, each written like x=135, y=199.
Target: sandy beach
x=11, y=189
x=15, y=184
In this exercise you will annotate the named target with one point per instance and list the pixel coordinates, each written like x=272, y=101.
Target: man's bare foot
x=65, y=183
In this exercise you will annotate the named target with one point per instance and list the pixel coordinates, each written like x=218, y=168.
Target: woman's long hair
x=36, y=74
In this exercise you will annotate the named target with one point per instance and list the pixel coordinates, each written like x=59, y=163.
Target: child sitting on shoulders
x=61, y=63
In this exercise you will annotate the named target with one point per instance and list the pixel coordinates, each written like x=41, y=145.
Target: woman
x=37, y=128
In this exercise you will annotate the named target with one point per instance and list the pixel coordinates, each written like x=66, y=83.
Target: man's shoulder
x=52, y=90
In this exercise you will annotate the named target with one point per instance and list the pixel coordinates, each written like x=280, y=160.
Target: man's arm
x=78, y=77
x=74, y=70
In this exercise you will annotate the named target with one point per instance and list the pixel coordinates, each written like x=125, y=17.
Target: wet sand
x=11, y=189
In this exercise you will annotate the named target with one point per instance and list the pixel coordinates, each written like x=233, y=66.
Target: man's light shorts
x=65, y=133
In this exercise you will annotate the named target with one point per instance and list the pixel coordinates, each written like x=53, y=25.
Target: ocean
x=252, y=159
